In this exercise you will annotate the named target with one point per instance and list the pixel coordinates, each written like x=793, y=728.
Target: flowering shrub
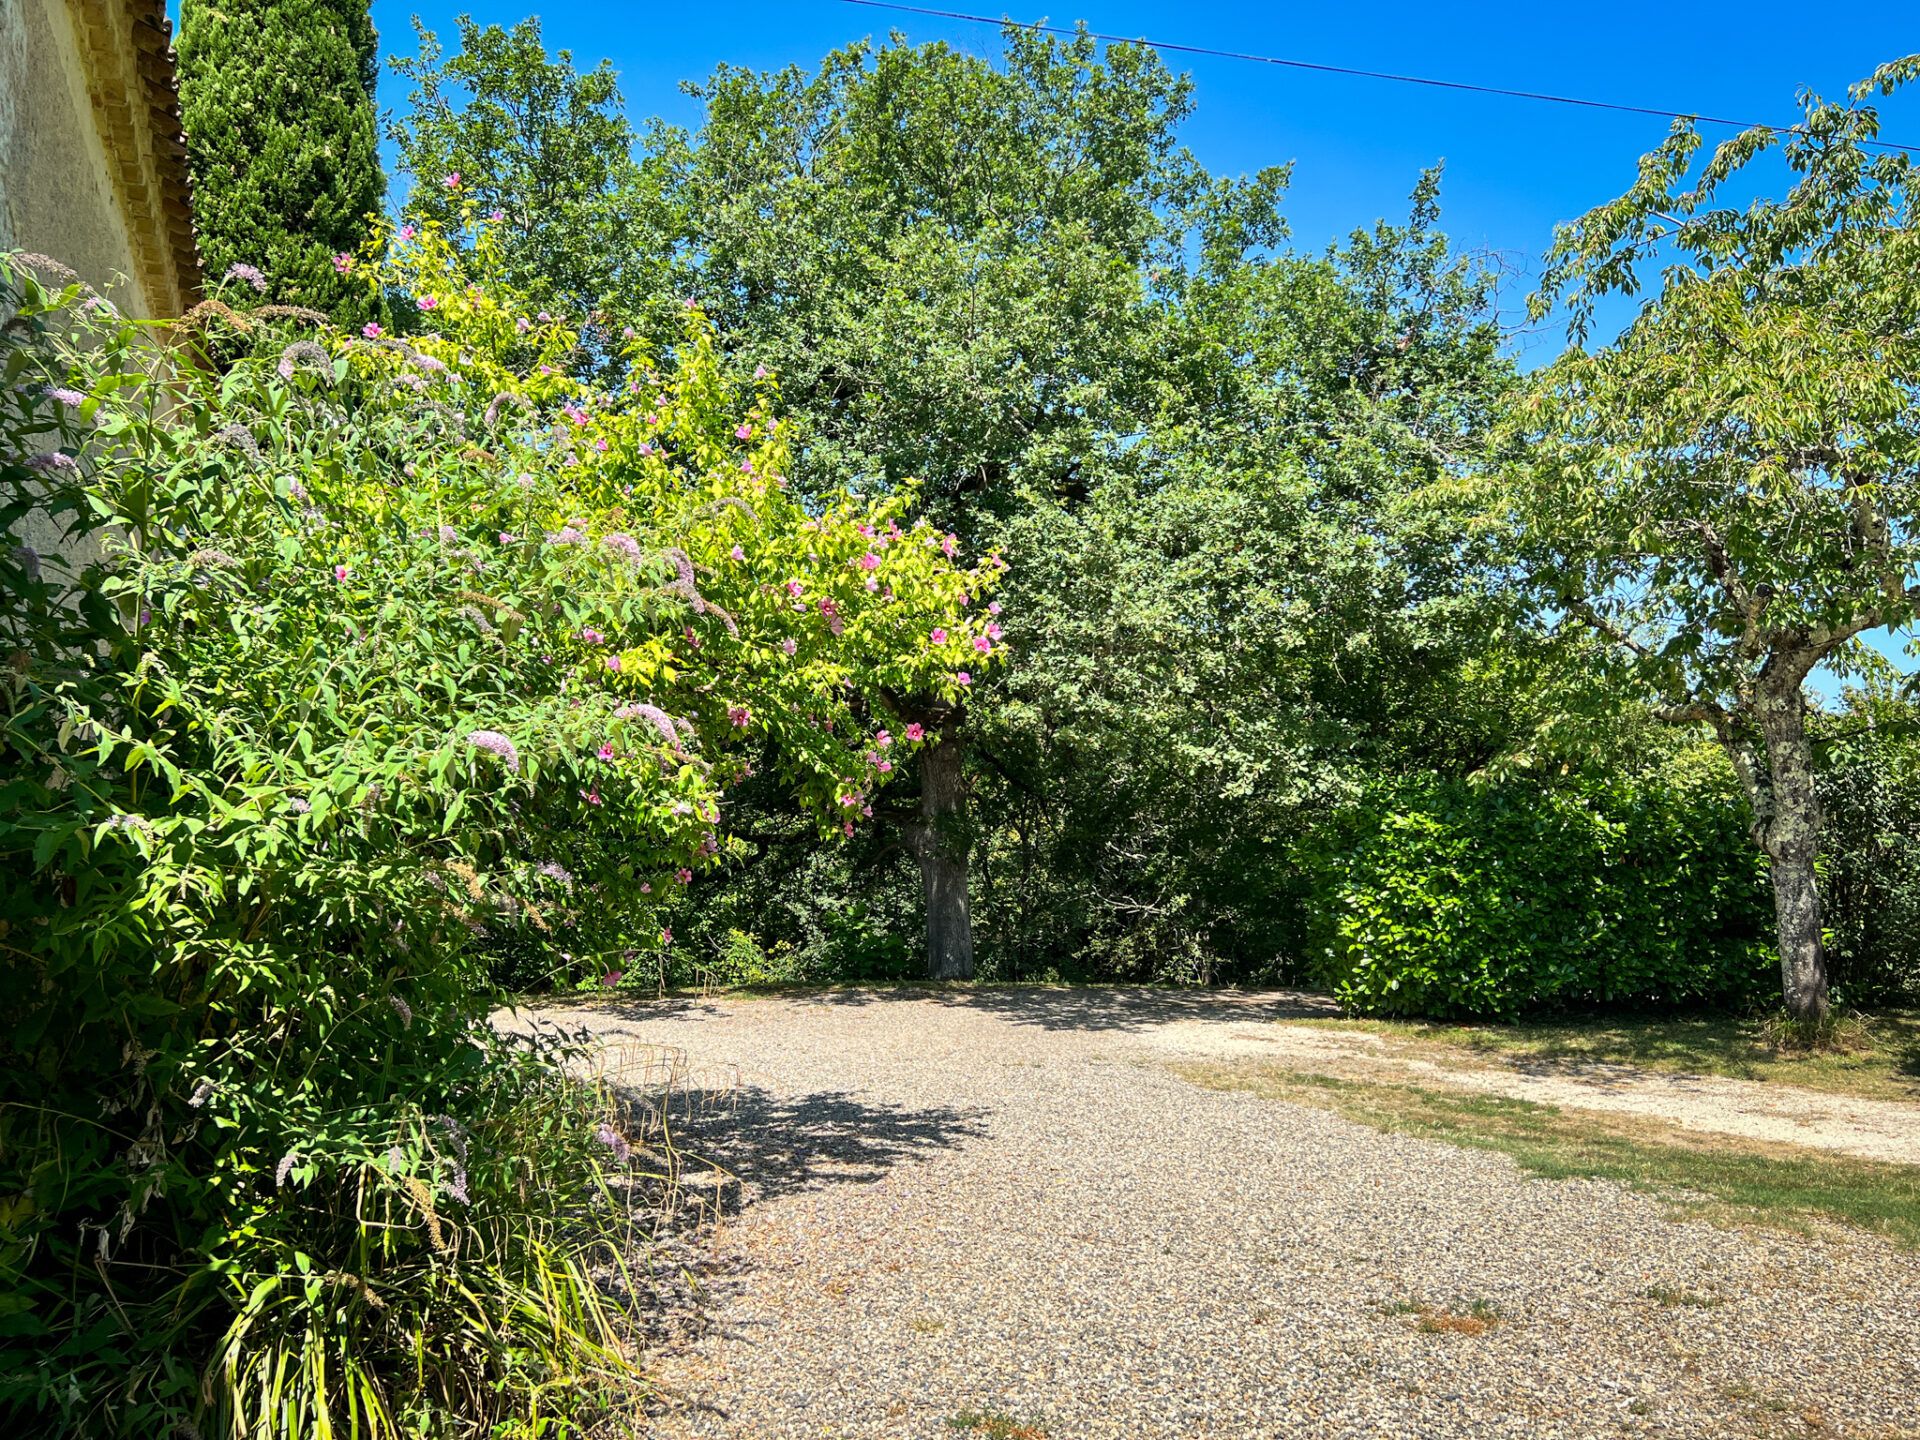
x=356, y=654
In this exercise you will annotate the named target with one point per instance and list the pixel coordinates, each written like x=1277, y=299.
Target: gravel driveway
x=1001, y=1203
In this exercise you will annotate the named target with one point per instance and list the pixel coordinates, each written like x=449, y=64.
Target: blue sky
x=1513, y=168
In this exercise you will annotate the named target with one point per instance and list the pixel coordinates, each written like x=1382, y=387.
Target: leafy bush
x=831, y=921
x=1442, y=897
x=353, y=658
x=1869, y=788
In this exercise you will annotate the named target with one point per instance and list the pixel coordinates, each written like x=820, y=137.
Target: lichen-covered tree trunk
x=1789, y=831
x=940, y=842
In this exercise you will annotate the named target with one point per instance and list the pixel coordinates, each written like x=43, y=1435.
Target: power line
x=1460, y=85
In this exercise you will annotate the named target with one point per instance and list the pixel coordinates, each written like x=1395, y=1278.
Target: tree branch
x=1582, y=611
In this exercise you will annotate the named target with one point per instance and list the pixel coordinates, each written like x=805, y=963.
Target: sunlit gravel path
x=1003, y=1203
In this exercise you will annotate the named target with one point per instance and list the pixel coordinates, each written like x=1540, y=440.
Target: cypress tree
x=277, y=99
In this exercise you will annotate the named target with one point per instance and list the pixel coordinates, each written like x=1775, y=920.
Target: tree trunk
x=1790, y=834
x=940, y=842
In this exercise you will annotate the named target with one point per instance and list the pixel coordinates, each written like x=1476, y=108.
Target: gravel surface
x=1001, y=1202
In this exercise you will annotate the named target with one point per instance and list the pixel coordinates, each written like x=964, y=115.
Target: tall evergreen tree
x=277, y=96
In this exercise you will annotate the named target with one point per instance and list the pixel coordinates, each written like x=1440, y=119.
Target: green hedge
x=1869, y=787
x=1444, y=897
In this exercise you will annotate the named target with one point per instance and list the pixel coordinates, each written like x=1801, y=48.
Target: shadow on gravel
x=1097, y=1007
x=1049, y=1007
x=622, y=1004
x=746, y=1144
x=1605, y=1074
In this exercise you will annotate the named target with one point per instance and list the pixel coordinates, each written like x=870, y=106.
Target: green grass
x=1880, y=1058
x=994, y=1425
x=1668, y=1298
x=1721, y=1177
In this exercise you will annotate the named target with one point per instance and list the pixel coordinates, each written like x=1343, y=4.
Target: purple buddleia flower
x=402, y=1009
x=202, y=1092
x=31, y=260
x=518, y=402
x=553, y=870
x=654, y=716
x=72, y=399
x=449, y=535
x=623, y=545
x=54, y=461
x=566, y=535
x=683, y=585
x=293, y=312
x=247, y=274
x=683, y=567
x=287, y=1162
x=494, y=743
x=456, y=1136
x=709, y=608
x=305, y=355
x=456, y=1185
x=237, y=437
x=614, y=1141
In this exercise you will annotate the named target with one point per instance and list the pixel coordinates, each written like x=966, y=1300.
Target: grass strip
x=1720, y=1177
x=1877, y=1055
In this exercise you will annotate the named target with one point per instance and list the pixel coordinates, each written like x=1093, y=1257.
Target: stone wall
x=92, y=165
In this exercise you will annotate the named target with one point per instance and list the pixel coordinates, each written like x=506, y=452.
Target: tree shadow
x=1048, y=1007
x=1120, y=1008
x=625, y=1004
x=739, y=1145
x=698, y=1155
x=1606, y=1074
x=1907, y=1060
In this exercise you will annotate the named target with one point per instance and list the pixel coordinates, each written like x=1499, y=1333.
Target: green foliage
x=1226, y=474
x=1737, y=478
x=807, y=916
x=1730, y=492
x=277, y=100
x=498, y=126
x=1186, y=446
x=243, y=841
x=1869, y=789
x=742, y=961
x=969, y=320
x=1247, y=614
x=311, y=702
x=1447, y=898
